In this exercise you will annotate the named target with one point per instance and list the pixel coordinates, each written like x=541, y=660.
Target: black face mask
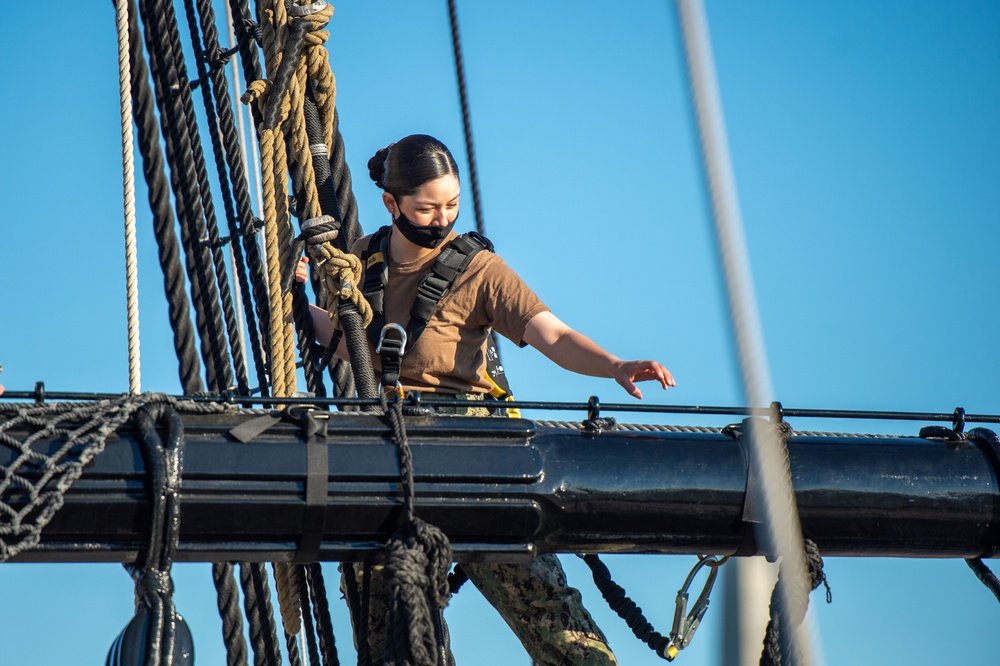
x=429, y=237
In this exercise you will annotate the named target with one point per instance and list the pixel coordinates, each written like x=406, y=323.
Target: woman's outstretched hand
x=627, y=373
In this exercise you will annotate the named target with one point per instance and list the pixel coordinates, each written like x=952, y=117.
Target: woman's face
x=434, y=204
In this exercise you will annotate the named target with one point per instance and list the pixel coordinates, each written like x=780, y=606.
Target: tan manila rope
x=128, y=186
x=289, y=117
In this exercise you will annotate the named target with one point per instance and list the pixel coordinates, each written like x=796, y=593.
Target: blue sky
x=866, y=145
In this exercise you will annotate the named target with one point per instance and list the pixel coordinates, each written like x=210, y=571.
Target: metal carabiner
x=686, y=623
x=394, y=327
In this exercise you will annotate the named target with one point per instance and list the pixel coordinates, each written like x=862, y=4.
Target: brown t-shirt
x=450, y=354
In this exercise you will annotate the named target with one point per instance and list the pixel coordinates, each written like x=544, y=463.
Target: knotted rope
x=785, y=620
x=339, y=272
x=418, y=556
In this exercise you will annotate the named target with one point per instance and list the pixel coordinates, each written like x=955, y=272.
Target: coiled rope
x=128, y=186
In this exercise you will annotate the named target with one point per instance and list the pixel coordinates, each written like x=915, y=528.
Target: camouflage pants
x=545, y=614
x=534, y=600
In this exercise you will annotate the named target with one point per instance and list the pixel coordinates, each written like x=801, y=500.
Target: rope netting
x=44, y=449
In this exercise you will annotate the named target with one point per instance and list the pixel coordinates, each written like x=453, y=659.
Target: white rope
x=781, y=518
x=128, y=185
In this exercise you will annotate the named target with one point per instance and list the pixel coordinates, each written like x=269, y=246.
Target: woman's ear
x=390, y=203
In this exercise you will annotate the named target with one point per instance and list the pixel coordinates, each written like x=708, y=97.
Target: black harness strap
x=451, y=263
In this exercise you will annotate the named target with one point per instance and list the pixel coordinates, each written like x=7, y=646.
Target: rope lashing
x=785, y=620
x=292, y=59
x=418, y=556
x=157, y=635
x=128, y=187
x=339, y=272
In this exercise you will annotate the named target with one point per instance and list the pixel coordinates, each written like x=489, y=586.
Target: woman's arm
x=576, y=352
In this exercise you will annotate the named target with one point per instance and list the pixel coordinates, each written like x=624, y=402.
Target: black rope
x=308, y=627
x=782, y=622
x=321, y=611
x=418, y=556
x=240, y=220
x=292, y=646
x=158, y=191
x=224, y=321
x=248, y=36
x=626, y=609
x=466, y=117
x=236, y=346
x=260, y=614
x=171, y=86
x=985, y=575
x=164, y=462
x=227, y=599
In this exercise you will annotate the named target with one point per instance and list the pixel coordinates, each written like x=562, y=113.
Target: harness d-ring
x=686, y=623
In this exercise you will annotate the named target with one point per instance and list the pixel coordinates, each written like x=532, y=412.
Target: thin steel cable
x=781, y=520
x=128, y=186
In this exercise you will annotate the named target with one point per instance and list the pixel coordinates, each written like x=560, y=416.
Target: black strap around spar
x=451, y=263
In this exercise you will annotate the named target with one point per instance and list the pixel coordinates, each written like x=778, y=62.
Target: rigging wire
x=128, y=185
x=769, y=457
x=466, y=118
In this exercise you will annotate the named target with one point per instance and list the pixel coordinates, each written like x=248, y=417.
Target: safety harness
x=390, y=340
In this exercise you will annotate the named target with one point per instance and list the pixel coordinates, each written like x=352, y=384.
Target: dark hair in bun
x=402, y=167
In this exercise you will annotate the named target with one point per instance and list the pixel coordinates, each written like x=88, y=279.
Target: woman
x=420, y=190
